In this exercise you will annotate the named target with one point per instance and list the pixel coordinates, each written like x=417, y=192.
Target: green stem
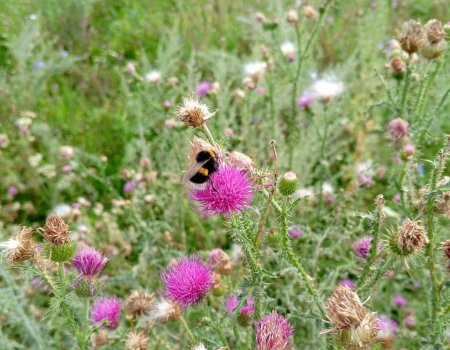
x=208, y=134
x=288, y=251
x=216, y=326
x=374, y=244
x=322, y=158
x=380, y=271
x=188, y=330
x=405, y=89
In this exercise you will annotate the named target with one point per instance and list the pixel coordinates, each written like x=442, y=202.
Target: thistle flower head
x=398, y=129
x=188, y=281
x=288, y=48
x=204, y=88
x=139, y=303
x=153, y=77
x=327, y=88
x=193, y=113
x=305, y=100
x=362, y=247
x=255, y=70
x=136, y=341
x=20, y=247
x=399, y=301
x=387, y=328
x=229, y=191
x=220, y=261
x=164, y=310
x=273, y=332
x=56, y=231
x=231, y=303
x=409, y=238
x=412, y=37
x=106, y=310
x=89, y=262
x=353, y=326
x=291, y=16
x=435, y=44
x=241, y=161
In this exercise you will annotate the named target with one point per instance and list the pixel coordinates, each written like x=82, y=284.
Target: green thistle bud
x=60, y=253
x=288, y=184
x=84, y=288
x=244, y=320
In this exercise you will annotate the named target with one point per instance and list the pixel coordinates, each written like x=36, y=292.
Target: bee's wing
x=191, y=171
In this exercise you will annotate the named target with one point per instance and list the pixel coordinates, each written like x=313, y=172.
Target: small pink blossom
x=273, y=332
x=362, y=247
x=398, y=129
x=204, y=88
x=188, y=281
x=231, y=303
x=229, y=191
x=12, y=191
x=108, y=310
x=248, y=309
x=295, y=232
x=399, y=301
x=305, y=101
x=348, y=283
x=397, y=198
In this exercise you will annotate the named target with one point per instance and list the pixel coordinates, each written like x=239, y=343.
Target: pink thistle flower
x=305, y=101
x=13, y=191
x=348, y=283
x=409, y=149
x=188, y=281
x=129, y=186
x=204, y=88
x=88, y=262
x=398, y=129
x=387, y=327
x=106, y=309
x=410, y=321
x=273, y=332
x=399, y=301
x=231, y=303
x=362, y=247
x=248, y=309
x=397, y=198
x=295, y=232
x=229, y=191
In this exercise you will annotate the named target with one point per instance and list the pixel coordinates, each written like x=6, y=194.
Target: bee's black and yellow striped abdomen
x=209, y=160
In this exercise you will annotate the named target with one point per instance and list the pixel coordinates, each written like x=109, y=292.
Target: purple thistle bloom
x=387, y=327
x=397, y=198
x=399, y=301
x=249, y=308
x=106, y=309
x=12, y=191
x=416, y=284
x=347, y=282
x=88, y=262
x=203, y=88
x=305, y=101
x=129, y=186
x=295, y=232
x=362, y=247
x=188, y=282
x=273, y=332
x=410, y=321
x=229, y=191
x=231, y=303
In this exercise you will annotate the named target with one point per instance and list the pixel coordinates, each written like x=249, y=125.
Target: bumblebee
x=206, y=163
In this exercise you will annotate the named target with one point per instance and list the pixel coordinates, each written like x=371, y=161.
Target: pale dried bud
x=260, y=17
x=20, y=247
x=136, y=341
x=409, y=238
x=56, y=231
x=434, y=31
x=193, y=113
x=412, y=37
x=139, y=303
x=197, y=145
x=398, y=66
x=163, y=311
x=100, y=338
x=291, y=16
x=221, y=262
x=353, y=326
x=241, y=161
x=238, y=94
x=310, y=12
x=173, y=81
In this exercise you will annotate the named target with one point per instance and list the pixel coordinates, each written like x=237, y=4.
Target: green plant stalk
x=216, y=326
x=322, y=158
x=430, y=250
x=380, y=271
x=288, y=251
x=188, y=330
x=208, y=134
x=373, y=247
x=405, y=89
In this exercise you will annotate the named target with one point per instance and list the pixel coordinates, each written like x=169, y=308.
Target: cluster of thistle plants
x=272, y=198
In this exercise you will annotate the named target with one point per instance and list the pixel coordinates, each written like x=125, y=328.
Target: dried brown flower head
x=398, y=66
x=412, y=37
x=353, y=325
x=435, y=43
x=221, y=262
x=291, y=16
x=164, y=310
x=56, y=231
x=409, y=238
x=136, y=341
x=139, y=303
x=20, y=247
x=442, y=199
x=100, y=338
x=445, y=247
x=193, y=113
x=310, y=12
x=241, y=161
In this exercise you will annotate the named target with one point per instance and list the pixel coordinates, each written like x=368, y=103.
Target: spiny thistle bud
x=60, y=253
x=220, y=261
x=56, y=231
x=442, y=199
x=412, y=37
x=193, y=113
x=409, y=238
x=136, y=341
x=291, y=16
x=20, y=247
x=353, y=326
x=288, y=184
x=398, y=67
x=435, y=43
x=139, y=303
